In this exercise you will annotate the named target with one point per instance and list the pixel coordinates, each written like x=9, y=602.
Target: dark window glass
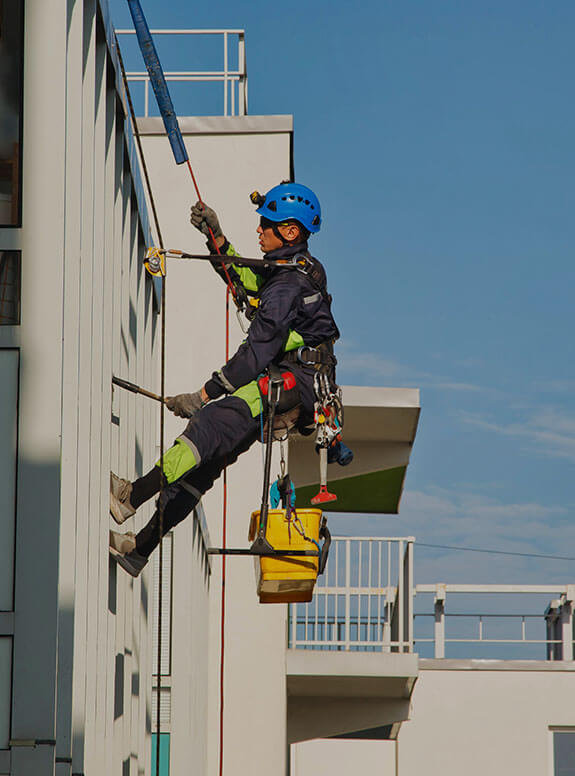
x=9, y=288
x=564, y=753
x=11, y=55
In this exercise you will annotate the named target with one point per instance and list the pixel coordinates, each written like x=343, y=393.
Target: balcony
x=350, y=663
x=355, y=651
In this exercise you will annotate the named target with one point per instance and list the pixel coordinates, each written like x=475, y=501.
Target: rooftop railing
x=550, y=631
x=234, y=81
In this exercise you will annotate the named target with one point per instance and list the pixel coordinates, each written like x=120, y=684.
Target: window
x=564, y=753
x=164, y=753
x=8, y=454
x=9, y=287
x=5, y=689
x=11, y=56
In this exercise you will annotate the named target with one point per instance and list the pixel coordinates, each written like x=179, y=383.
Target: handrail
x=235, y=82
x=365, y=601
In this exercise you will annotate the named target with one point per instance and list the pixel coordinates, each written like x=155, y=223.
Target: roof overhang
x=380, y=427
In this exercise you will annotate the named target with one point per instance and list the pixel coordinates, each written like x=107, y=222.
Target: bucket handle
x=326, y=536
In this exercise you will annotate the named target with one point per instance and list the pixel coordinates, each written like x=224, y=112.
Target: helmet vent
x=272, y=206
x=315, y=221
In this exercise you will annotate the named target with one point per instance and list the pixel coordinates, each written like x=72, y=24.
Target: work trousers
x=218, y=434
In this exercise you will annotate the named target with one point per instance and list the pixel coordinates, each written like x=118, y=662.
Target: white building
x=76, y=633
x=501, y=714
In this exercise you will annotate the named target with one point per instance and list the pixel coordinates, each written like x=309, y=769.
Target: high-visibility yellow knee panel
x=178, y=460
x=250, y=393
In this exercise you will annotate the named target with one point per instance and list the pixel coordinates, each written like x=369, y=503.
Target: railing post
x=400, y=597
x=388, y=613
x=225, y=73
x=242, y=84
x=347, y=595
x=409, y=594
x=551, y=619
x=567, y=623
x=439, y=627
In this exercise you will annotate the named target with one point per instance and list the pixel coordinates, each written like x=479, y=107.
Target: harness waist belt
x=322, y=354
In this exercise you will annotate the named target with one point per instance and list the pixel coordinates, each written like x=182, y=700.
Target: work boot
x=123, y=548
x=120, y=492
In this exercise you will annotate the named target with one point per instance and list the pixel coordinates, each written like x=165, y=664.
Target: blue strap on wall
x=158, y=82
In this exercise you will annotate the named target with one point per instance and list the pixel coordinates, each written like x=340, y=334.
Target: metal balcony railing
x=551, y=629
x=366, y=602
x=363, y=602
x=234, y=82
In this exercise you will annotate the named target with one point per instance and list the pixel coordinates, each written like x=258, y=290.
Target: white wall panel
x=342, y=757
x=76, y=621
x=481, y=721
x=228, y=165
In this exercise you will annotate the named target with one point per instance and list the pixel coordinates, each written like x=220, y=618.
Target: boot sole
x=116, y=508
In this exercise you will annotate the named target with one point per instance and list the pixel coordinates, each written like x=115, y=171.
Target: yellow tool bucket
x=285, y=579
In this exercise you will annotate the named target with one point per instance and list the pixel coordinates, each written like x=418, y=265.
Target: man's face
x=269, y=241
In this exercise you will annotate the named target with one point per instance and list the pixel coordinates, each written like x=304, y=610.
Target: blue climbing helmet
x=290, y=200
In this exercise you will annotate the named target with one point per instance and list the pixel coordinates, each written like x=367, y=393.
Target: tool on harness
x=339, y=453
x=328, y=417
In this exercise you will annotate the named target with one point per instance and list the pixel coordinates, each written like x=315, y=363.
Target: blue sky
x=439, y=137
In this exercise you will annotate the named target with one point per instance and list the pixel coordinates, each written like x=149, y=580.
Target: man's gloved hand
x=204, y=219
x=184, y=405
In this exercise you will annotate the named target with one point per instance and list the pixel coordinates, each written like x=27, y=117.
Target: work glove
x=204, y=219
x=184, y=405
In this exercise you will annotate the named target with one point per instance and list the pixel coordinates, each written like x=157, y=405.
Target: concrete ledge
x=350, y=674
x=219, y=125
x=433, y=664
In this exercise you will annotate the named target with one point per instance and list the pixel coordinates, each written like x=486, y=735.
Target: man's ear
x=291, y=232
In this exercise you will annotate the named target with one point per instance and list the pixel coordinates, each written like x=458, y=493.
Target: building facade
x=75, y=308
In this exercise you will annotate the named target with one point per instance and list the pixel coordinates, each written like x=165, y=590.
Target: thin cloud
x=549, y=431
x=466, y=518
x=375, y=367
x=555, y=386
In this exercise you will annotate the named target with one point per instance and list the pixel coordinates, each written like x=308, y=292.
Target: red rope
x=230, y=290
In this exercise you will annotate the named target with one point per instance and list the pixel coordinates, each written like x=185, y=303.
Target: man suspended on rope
x=292, y=330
